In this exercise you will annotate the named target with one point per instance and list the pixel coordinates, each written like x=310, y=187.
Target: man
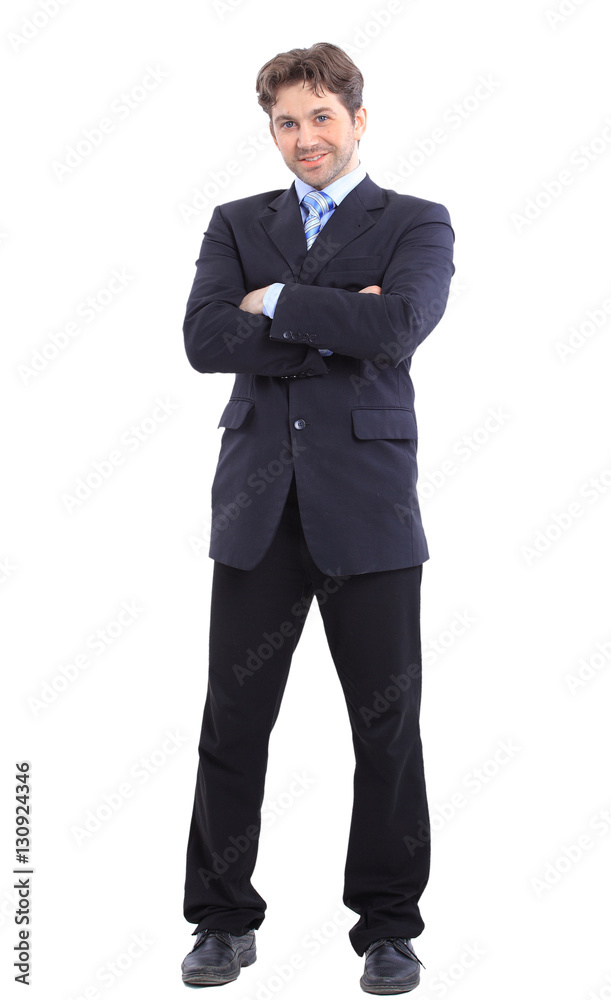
x=316, y=297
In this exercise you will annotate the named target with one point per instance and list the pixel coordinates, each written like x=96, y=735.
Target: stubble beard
x=333, y=165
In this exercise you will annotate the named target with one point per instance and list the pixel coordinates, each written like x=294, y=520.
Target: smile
x=313, y=159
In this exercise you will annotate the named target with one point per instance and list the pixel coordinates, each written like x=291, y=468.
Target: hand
x=375, y=289
x=253, y=301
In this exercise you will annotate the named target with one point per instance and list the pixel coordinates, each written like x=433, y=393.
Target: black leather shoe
x=217, y=957
x=390, y=967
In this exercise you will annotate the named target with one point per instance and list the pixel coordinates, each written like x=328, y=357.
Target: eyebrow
x=291, y=118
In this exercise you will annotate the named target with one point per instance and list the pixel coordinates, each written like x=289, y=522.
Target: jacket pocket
x=235, y=412
x=384, y=422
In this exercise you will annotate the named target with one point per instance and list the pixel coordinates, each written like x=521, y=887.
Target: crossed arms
x=225, y=330
x=253, y=301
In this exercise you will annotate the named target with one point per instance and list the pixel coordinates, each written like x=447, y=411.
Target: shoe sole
x=387, y=989
x=217, y=978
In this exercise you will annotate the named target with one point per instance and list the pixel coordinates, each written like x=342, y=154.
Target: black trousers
x=372, y=625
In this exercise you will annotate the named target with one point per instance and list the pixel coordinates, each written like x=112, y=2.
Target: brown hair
x=322, y=65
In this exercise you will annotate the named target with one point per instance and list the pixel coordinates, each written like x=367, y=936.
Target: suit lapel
x=282, y=221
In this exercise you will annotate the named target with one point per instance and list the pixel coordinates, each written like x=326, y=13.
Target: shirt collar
x=337, y=189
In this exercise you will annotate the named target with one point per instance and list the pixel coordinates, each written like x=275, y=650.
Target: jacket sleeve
x=221, y=337
x=414, y=295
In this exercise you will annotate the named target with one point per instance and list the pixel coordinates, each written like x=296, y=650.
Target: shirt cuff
x=271, y=297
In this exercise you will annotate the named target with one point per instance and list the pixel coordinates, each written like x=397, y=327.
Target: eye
x=287, y=123
x=322, y=116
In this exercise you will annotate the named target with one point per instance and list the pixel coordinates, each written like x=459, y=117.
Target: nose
x=307, y=138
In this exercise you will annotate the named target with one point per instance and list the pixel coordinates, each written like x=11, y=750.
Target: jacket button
x=286, y=334
x=299, y=424
x=309, y=371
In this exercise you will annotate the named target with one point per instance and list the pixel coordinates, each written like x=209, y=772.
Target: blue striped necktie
x=318, y=203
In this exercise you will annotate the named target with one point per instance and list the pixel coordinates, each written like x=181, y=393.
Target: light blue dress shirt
x=337, y=190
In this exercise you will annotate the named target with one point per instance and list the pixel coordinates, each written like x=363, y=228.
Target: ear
x=360, y=123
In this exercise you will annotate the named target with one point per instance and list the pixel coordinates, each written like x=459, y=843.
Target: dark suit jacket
x=344, y=422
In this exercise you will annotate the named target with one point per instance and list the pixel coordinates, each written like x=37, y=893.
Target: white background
x=517, y=520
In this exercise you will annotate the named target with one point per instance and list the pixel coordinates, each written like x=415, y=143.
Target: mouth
x=312, y=161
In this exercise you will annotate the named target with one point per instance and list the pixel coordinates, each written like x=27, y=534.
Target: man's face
x=304, y=126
